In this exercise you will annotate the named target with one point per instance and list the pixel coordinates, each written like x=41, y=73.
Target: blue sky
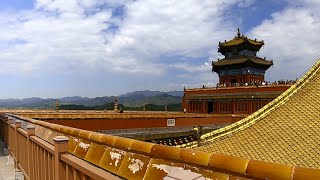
x=56, y=48
x=16, y=4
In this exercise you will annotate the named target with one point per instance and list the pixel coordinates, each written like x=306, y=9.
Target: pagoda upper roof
x=240, y=40
x=241, y=60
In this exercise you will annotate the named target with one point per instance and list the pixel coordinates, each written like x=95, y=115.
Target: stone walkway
x=6, y=164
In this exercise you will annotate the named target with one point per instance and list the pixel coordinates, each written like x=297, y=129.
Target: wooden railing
x=38, y=159
x=42, y=151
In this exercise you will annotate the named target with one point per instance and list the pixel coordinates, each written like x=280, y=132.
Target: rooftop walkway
x=6, y=164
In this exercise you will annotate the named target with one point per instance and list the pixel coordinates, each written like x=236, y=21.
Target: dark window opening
x=210, y=107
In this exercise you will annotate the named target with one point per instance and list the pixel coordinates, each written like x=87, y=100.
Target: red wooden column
x=233, y=107
x=188, y=106
x=202, y=107
x=192, y=106
x=250, y=107
x=218, y=107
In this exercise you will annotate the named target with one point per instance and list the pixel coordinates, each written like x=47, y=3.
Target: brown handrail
x=135, y=149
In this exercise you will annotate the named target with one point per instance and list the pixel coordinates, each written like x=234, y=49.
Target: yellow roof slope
x=240, y=40
x=285, y=131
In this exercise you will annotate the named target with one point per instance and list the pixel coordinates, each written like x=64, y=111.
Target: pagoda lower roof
x=242, y=60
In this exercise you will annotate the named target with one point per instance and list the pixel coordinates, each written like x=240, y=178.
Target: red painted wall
x=239, y=89
x=107, y=124
x=193, y=105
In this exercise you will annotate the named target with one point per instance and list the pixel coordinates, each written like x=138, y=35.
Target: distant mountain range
x=132, y=99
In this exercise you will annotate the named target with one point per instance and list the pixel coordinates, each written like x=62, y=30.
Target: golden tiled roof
x=241, y=39
x=285, y=131
x=240, y=60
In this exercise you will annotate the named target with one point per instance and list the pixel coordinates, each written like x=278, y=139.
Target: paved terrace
x=171, y=136
x=6, y=163
x=146, y=134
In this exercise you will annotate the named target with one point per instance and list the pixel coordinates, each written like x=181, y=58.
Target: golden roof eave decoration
x=240, y=40
x=242, y=60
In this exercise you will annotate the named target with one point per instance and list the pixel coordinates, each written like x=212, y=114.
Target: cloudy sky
x=56, y=48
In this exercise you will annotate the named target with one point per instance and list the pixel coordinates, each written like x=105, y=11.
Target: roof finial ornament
x=238, y=32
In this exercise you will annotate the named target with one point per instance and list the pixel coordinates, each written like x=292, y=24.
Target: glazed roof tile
x=240, y=60
x=286, y=131
x=240, y=40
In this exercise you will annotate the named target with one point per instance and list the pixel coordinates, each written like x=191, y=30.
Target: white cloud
x=291, y=39
x=176, y=30
x=72, y=34
x=152, y=38
x=190, y=68
x=66, y=37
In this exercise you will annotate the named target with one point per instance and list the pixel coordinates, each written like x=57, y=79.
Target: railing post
x=5, y=130
x=17, y=125
x=60, y=146
x=10, y=144
x=10, y=121
x=2, y=127
x=30, y=132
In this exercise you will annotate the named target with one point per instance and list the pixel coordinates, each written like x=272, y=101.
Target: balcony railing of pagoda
x=275, y=85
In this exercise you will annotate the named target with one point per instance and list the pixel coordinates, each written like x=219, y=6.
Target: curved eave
x=226, y=46
x=238, y=41
x=226, y=63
